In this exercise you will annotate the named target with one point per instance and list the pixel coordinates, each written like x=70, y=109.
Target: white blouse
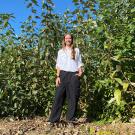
x=66, y=63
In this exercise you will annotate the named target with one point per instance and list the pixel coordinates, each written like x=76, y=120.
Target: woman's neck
x=68, y=47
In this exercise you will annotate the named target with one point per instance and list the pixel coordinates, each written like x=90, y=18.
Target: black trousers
x=68, y=88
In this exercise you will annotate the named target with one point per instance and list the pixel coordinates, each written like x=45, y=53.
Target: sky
x=18, y=8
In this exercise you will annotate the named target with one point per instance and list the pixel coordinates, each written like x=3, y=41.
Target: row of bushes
x=27, y=66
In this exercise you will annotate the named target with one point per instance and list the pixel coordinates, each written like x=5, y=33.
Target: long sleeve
x=79, y=62
x=58, y=60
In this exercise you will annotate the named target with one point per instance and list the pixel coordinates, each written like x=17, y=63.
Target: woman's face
x=68, y=40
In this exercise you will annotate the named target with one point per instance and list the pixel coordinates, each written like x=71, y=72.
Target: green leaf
x=75, y=1
x=5, y=24
x=125, y=85
x=117, y=96
x=34, y=10
x=113, y=74
x=111, y=100
x=107, y=46
x=116, y=58
x=44, y=5
x=29, y=5
x=35, y=2
x=34, y=79
x=132, y=10
x=50, y=2
x=33, y=86
x=34, y=23
x=119, y=81
x=118, y=67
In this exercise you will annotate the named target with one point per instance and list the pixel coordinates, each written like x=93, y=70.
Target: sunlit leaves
x=125, y=85
x=117, y=96
x=107, y=45
x=4, y=19
x=119, y=81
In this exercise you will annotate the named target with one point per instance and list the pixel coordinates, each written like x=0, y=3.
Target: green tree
x=27, y=61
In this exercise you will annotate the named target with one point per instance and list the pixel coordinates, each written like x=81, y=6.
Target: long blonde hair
x=73, y=52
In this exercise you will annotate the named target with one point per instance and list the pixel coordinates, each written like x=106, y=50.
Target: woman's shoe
x=75, y=121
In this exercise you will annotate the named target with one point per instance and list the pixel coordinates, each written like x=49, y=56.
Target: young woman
x=69, y=70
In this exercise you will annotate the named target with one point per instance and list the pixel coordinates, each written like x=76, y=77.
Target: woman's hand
x=58, y=81
x=80, y=72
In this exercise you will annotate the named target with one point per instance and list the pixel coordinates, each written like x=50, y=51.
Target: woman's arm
x=80, y=64
x=58, y=72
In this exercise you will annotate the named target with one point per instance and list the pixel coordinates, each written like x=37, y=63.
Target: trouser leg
x=73, y=94
x=58, y=103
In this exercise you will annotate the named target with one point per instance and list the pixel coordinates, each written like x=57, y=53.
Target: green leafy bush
x=27, y=66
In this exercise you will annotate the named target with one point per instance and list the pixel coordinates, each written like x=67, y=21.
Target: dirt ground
x=39, y=126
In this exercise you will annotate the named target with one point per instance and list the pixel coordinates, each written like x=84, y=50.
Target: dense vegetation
x=27, y=61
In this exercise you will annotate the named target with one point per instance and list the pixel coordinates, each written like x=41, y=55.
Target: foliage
x=27, y=70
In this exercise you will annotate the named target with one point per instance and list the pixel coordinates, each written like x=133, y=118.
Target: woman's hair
x=72, y=45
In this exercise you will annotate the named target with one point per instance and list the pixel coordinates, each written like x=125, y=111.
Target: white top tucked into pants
x=66, y=63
